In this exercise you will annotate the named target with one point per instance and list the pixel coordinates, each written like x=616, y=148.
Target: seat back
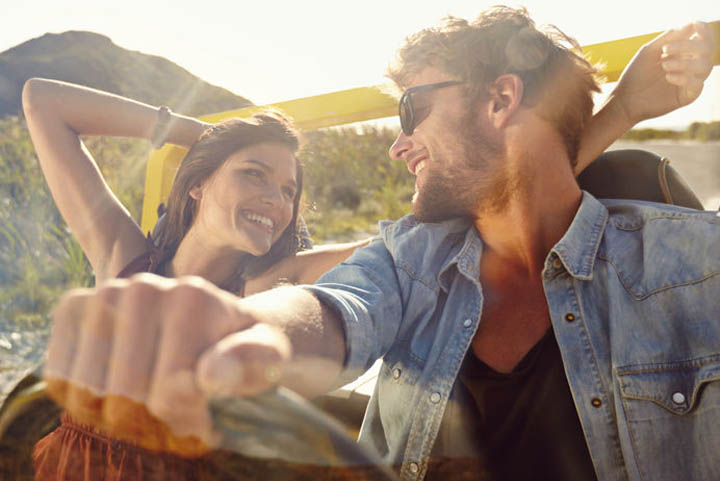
x=639, y=175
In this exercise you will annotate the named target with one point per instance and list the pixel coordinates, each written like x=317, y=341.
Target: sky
x=272, y=50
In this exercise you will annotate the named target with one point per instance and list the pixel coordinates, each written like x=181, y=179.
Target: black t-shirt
x=516, y=426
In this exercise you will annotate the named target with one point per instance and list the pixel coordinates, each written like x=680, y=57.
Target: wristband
x=162, y=127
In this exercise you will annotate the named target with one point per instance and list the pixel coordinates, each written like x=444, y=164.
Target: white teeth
x=419, y=167
x=260, y=219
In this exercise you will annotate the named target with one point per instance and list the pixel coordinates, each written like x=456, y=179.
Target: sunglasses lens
x=406, y=115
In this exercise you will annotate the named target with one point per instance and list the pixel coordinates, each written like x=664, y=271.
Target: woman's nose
x=273, y=195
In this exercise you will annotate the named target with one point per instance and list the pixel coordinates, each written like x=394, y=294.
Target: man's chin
x=432, y=214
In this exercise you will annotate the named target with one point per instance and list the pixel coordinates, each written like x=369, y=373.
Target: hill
x=93, y=60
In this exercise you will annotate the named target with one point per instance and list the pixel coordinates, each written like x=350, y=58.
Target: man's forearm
x=316, y=337
x=605, y=127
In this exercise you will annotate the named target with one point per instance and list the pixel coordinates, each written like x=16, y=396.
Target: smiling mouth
x=262, y=221
x=419, y=167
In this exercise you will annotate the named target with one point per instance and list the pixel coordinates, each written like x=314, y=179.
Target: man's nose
x=401, y=146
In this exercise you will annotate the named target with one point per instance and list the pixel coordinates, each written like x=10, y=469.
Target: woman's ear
x=506, y=95
x=196, y=192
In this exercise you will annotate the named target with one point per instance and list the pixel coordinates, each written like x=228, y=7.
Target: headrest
x=638, y=175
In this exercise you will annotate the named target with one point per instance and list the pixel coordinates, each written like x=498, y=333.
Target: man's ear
x=506, y=94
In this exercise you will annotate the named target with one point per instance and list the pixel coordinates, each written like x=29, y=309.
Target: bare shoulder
x=305, y=267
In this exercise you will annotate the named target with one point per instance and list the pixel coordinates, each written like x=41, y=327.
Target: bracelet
x=162, y=127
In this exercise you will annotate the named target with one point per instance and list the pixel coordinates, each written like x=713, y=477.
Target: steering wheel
x=276, y=431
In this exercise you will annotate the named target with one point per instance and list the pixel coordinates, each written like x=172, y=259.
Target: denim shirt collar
x=578, y=248
x=467, y=260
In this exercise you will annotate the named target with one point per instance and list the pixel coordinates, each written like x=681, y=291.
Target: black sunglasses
x=406, y=109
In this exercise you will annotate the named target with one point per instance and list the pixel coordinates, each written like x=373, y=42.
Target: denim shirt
x=633, y=290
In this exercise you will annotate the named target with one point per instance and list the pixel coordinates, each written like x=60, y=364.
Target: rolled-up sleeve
x=365, y=293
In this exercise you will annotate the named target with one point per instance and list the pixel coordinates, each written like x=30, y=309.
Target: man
x=525, y=327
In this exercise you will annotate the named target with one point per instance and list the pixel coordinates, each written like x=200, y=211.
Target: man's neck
x=521, y=233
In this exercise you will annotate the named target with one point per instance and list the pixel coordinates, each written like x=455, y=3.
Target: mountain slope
x=94, y=60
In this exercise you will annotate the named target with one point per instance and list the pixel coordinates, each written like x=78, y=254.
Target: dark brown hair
x=207, y=155
x=504, y=40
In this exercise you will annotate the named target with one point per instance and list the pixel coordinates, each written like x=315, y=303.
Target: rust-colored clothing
x=76, y=452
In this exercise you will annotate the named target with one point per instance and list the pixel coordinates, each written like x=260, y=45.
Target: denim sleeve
x=365, y=293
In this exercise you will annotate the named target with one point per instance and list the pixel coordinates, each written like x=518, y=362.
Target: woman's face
x=248, y=202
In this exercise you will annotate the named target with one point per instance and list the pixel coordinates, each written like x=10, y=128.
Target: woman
x=232, y=212
x=232, y=218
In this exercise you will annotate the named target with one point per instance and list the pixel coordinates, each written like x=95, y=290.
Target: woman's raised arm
x=57, y=114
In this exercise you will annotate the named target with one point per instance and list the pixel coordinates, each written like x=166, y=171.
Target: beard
x=478, y=183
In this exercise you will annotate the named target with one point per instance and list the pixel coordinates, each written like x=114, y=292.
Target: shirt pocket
x=673, y=418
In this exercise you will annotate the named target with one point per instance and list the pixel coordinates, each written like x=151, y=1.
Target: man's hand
x=139, y=358
x=666, y=74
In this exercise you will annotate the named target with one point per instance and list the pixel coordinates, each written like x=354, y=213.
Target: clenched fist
x=140, y=358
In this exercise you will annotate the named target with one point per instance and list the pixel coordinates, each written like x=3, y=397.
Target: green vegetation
x=39, y=258
x=350, y=184
x=698, y=131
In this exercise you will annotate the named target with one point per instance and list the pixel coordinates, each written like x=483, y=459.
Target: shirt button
x=435, y=397
x=414, y=468
x=569, y=317
x=596, y=403
x=396, y=373
x=467, y=323
x=678, y=398
x=556, y=263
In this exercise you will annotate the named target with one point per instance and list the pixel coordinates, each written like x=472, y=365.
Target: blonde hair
x=503, y=40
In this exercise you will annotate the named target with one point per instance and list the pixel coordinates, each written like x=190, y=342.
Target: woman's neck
x=197, y=257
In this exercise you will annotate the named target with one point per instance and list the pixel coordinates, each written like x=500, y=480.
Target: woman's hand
x=666, y=74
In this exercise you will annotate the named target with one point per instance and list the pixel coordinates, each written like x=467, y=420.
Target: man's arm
x=665, y=74
x=140, y=358
x=313, y=348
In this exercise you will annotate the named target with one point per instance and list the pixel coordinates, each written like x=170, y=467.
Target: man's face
x=458, y=160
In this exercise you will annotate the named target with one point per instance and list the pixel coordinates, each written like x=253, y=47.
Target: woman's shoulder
x=305, y=267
